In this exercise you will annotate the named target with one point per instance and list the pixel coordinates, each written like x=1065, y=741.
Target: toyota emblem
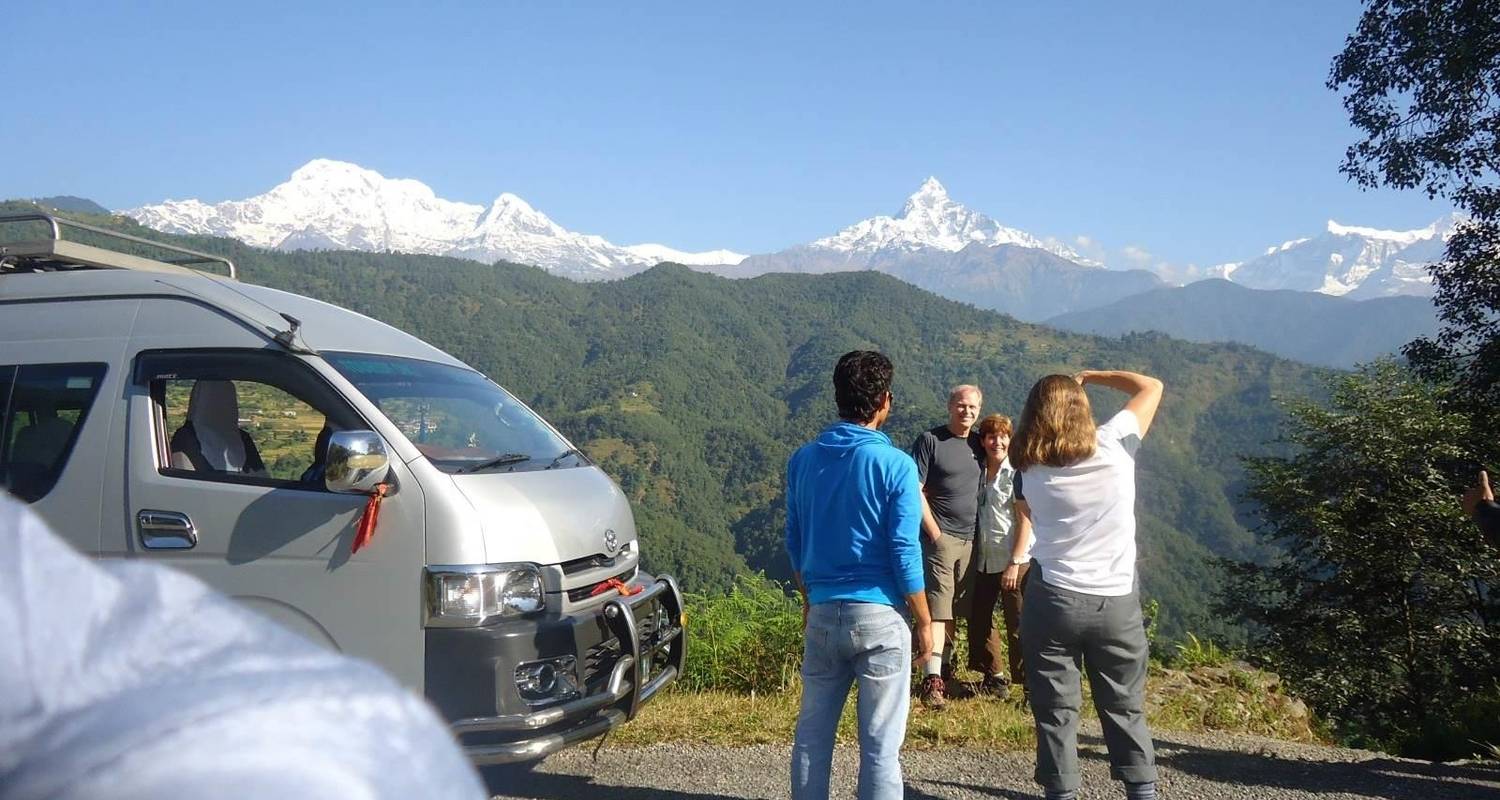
x=611, y=542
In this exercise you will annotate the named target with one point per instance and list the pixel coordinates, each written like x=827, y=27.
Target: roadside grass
x=741, y=687
x=725, y=718
x=1233, y=699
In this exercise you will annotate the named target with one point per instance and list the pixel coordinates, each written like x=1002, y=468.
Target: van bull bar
x=641, y=644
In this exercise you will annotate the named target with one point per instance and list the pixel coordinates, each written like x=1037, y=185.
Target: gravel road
x=1193, y=767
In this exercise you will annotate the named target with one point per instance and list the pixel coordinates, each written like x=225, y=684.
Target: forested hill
x=692, y=390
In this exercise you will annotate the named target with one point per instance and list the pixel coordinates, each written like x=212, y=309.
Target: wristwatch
x=1019, y=562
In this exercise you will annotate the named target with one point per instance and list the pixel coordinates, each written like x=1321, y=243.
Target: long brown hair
x=1056, y=427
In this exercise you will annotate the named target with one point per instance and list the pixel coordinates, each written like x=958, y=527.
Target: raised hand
x=1478, y=492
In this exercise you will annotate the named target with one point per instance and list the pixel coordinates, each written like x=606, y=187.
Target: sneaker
x=995, y=685
x=933, y=694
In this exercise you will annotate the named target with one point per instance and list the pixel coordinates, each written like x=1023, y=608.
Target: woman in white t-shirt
x=1077, y=484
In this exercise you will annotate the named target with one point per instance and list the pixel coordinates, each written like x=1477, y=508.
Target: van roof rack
x=56, y=253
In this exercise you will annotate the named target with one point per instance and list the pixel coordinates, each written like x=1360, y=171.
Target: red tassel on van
x=366, y=529
x=616, y=584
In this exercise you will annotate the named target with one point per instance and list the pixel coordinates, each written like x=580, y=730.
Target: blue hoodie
x=853, y=514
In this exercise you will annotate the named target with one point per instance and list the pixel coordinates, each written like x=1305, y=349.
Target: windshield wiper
x=498, y=461
x=571, y=451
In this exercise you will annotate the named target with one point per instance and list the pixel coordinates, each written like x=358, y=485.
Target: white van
x=155, y=411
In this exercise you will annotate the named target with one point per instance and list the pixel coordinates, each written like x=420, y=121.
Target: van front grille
x=599, y=660
x=596, y=561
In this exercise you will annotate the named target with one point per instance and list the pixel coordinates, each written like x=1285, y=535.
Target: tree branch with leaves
x=1421, y=81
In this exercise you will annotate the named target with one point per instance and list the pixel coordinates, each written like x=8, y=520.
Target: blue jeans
x=847, y=642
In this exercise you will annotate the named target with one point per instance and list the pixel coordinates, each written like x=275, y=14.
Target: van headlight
x=471, y=596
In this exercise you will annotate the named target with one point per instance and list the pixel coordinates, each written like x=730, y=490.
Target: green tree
x=1421, y=80
x=1377, y=610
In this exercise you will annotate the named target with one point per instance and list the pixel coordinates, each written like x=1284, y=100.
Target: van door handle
x=166, y=530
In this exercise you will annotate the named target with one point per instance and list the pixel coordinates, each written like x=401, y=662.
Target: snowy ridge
x=1347, y=260
x=330, y=204
x=657, y=253
x=1403, y=237
x=931, y=220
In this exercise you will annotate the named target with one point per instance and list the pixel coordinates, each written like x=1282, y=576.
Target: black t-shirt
x=1487, y=516
x=951, y=470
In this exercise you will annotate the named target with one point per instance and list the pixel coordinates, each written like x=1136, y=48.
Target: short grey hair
x=963, y=388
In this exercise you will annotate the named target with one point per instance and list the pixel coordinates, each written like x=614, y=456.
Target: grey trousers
x=1061, y=633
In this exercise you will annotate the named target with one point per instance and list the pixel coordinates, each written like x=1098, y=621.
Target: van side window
x=44, y=406
x=242, y=416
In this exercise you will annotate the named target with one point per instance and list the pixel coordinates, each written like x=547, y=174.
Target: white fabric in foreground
x=133, y=681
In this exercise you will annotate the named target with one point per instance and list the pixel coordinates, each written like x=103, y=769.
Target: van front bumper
x=624, y=650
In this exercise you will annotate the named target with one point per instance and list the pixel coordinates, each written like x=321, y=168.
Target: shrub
x=1461, y=731
x=1380, y=607
x=747, y=640
x=1197, y=652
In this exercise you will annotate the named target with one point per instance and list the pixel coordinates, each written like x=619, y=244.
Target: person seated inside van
x=211, y=439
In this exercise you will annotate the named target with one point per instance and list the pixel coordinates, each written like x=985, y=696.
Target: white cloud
x=1089, y=248
x=1136, y=255
x=1133, y=256
x=1176, y=274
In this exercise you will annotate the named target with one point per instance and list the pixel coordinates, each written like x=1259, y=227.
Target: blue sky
x=1187, y=132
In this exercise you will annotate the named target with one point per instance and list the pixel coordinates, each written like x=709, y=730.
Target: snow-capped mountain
x=930, y=221
x=951, y=250
x=1349, y=261
x=337, y=205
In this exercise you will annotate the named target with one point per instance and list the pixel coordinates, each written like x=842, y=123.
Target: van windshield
x=459, y=419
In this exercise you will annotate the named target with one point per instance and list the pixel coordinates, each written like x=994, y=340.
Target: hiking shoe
x=995, y=685
x=933, y=692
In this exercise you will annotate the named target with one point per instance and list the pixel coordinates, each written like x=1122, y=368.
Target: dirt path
x=1193, y=766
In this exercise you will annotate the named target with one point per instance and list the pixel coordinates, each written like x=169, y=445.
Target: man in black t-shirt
x=950, y=465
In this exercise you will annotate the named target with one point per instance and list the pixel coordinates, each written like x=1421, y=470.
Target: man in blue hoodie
x=853, y=512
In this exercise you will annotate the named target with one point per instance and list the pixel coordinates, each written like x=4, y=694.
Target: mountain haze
x=1028, y=283
x=1025, y=282
x=69, y=204
x=1306, y=326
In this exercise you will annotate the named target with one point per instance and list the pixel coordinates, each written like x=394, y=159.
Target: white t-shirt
x=1083, y=516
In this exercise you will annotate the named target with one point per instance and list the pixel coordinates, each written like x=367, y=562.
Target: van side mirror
x=357, y=462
